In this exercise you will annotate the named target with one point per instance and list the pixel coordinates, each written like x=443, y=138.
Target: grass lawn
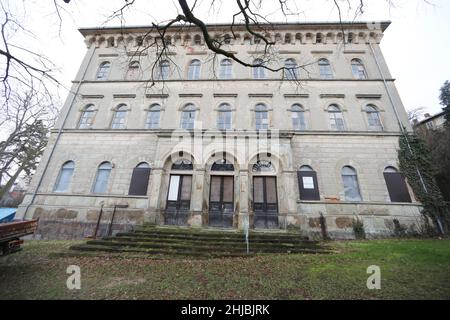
x=410, y=269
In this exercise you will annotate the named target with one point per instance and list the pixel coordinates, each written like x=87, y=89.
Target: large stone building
x=209, y=142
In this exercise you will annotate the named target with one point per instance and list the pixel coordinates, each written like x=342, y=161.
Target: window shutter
x=396, y=185
x=307, y=184
x=139, y=182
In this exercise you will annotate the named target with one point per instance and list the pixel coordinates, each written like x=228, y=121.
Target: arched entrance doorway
x=221, y=195
x=179, y=194
x=265, y=199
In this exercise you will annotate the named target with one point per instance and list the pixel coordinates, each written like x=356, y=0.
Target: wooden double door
x=265, y=202
x=221, y=201
x=178, y=200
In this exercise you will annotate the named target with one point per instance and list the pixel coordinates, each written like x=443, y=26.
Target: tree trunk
x=10, y=183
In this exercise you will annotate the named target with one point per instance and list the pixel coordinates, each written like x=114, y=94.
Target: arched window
x=194, y=70
x=351, y=185
x=258, y=72
x=139, y=180
x=103, y=70
x=120, y=116
x=256, y=40
x=396, y=185
x=359, y=72
x=263, y=166
x=153, y=117
x=164, y=69
x=298, y=117
x=102, y=177
x=188, y=116
x=222, y=165
x=291, y=72
x=225, y=71
x=261, y=117
x=287, y=38
x=197, y=40
x=133, y=70
x=307, y=183
x=373, y=118
x=319, y=38
x=64, y=177
x=247, y=40
x=87, y=116
x=224, y=121
x=325, y=69
x=336, y=118
x=182, y=164
x=227, y=39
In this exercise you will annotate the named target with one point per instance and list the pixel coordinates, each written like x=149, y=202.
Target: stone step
x=157, y=241
x=211, y=241
x=216, y=237
x=208, y=233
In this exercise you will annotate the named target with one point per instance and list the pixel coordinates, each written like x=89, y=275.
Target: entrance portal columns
x=153, y=214
x=197, y=201
x=287, y=191
x=243, y=202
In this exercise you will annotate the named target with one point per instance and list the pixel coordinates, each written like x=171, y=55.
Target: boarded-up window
x=139, y=180
x=396, y=185
x=307, y=184
x=186, y=188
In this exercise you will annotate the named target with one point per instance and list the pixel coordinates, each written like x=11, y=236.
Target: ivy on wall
x=414, y=158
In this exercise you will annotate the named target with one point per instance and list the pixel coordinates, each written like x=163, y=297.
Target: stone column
x=197, y=199
x=153, y=214
x=244, y=200
x=288, y=193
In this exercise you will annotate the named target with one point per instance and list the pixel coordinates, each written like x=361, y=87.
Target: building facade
x=202, y=141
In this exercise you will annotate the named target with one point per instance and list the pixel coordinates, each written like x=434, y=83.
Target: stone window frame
x=148, y=108
x=269, y=114
x=110, y=177
x=330, y=76
x=99, y=68
x=361, y=60
x=232, y=109
x=222, y=72
x=305, y=113
x=113, y=113
x=181, y=110
x=58, y=177
x=188, y=69
x=365, y=116
x=342, y=109
x=82, y=110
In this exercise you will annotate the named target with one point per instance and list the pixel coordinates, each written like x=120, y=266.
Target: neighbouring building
x=435, y=122
x=211, y=143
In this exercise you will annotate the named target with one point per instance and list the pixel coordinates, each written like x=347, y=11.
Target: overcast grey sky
x=416, y=45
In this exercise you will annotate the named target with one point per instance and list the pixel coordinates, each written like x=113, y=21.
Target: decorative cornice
x=225, y=95
x=260, y=95
x=92, y=96
x=136, y=53
x=321, y=52
x=289, y=51
x=108, y=55
x=332, y=95
x=368, y=96
x=296, y=95
x=190, y=95
x=157, y=95
x=354, y=51
x=124, y=96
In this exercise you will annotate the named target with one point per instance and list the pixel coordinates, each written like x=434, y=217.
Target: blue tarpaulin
x=7, y=214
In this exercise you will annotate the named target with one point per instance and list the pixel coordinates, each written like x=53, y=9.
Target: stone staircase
x=202, y=243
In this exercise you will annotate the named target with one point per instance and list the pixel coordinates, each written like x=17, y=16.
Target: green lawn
x=410, y=269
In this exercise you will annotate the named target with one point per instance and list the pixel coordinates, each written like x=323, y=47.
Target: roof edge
x=368, y=24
